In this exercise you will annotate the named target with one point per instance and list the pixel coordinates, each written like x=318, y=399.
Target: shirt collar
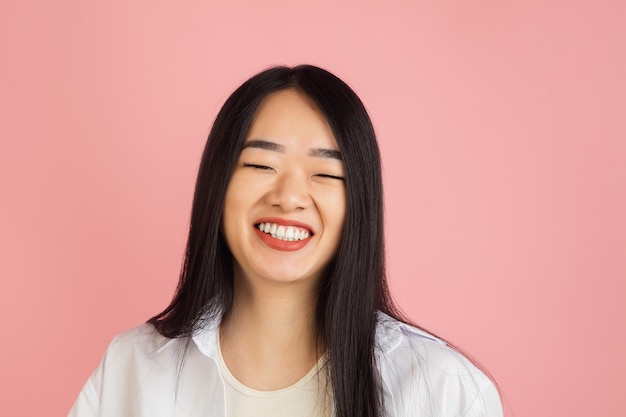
x=390, y=333
x=205, y=337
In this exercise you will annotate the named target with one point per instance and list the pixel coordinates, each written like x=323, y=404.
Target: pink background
x=503, y=133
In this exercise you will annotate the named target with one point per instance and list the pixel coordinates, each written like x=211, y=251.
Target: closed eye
x=336, y=177
x=261, y=167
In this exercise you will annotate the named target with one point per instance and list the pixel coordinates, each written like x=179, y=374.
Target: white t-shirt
x=143, y=374
x=306, y=398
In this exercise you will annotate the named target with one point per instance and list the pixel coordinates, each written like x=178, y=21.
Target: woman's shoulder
x=422, y=373
x=402, y=340
x=135, y=353
x=401, y=347
x=391, y=333
x=139, y=342
x=143, y=334
x=144, y=373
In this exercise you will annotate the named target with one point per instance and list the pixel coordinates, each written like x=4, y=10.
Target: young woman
x=282, y=308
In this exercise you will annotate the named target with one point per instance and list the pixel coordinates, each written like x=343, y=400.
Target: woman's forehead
x=290, y=120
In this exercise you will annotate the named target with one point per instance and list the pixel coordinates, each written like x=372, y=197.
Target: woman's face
x=285, y=204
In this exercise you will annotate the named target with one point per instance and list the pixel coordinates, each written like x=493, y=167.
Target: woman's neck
x=269, y=339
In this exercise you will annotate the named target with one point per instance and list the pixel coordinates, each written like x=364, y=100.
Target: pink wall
x=503, y=135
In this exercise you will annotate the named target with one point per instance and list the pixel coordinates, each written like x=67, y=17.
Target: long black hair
x=354, y=287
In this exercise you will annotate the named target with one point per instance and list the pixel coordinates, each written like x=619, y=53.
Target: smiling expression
x=286, y=201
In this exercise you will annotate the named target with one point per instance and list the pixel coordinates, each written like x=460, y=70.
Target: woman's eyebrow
x=326, y=153
x=275, y=147
x=264, y=144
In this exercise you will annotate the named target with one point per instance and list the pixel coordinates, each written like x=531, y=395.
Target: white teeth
x=288, y=233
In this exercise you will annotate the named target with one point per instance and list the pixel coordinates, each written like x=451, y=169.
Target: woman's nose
x=290, y=193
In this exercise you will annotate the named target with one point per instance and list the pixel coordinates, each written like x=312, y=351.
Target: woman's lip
x=282, y=245
x=284, y=222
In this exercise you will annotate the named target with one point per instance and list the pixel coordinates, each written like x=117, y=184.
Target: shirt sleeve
x=88, y=402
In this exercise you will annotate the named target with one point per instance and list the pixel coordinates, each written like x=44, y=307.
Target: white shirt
x=142, y=374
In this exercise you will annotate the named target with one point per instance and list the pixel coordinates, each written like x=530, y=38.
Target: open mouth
x=287, y=233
